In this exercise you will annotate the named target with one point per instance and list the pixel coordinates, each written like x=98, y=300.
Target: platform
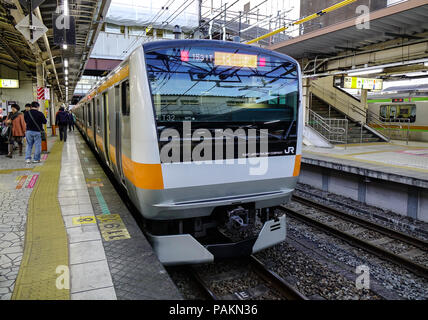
x=66, y=234
x=395, y=161
x=392, y=176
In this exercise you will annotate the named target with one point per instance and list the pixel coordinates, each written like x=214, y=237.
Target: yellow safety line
x=305, y=19
x=363, y=144
x=7, y=171
x=344, y=157
x=46, y=245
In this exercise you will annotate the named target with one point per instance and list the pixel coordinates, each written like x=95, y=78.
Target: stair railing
x=372, y=120
x=333, y=130
x=349, y=105
x=389, y=126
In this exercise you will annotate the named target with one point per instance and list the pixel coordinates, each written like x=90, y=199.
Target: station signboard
x=363, y=83
x=9, y=83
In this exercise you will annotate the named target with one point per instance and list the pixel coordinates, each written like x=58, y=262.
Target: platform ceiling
x=17, y=53
x=405, y=20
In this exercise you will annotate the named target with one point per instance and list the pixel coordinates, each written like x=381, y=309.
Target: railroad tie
x=380, y=241
x=356, y=231
x=413, y=253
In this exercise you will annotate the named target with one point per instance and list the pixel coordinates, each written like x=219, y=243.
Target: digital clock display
x=235, y=60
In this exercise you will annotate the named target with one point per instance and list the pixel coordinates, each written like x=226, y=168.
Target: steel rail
x=286, y=289
x=391, y=233
x=362, y=244
x=202, y=284
x=273, y=280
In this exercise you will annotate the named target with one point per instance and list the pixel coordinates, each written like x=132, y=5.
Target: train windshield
x=206, y=85
x=229, y=87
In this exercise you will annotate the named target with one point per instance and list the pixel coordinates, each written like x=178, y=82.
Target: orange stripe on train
x=297, y=163
x=143, y=176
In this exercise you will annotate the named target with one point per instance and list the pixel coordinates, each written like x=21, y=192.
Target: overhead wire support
x=219, y=14
x=303, y=20
x=240, y=15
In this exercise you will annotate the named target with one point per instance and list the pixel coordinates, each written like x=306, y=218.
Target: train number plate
x=112, y=227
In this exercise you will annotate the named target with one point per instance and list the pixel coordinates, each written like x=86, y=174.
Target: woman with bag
x=16, y=123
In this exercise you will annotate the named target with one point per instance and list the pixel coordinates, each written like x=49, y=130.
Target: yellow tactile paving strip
x=7, y=171
x=46, y=245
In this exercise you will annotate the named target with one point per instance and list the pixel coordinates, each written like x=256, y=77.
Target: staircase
x=356, y=132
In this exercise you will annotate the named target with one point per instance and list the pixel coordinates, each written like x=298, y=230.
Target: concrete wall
x=24, y=94
x=399, y=198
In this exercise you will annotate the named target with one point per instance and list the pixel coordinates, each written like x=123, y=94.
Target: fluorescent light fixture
x=66, y=63
x=66, y=7
x=66, y=78
x=364, y=72
x=64, y=46
x=66, y=71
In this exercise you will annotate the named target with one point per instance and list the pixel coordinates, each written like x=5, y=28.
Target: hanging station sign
x=363, y=83
x=9, y=83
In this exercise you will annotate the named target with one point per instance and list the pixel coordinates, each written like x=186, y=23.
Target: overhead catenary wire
x=305, y=19
x=167, y=19
x=175, y=17
x=153, y=20
x=239, y=15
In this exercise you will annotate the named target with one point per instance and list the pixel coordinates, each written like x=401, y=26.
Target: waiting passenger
x=16, y=123
x=71, y=120
x=27, y=108
x=35, y=121
x=62, y=120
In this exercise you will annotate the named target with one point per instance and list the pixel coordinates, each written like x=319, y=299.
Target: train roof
x=217, y=44
x=149, y=46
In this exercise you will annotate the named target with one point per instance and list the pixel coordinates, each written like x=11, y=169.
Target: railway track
x=354, y=230
x=246, y=279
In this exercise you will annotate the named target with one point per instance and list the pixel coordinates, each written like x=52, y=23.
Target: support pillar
x=41, y=84
x=305, y=97
x=364, y=103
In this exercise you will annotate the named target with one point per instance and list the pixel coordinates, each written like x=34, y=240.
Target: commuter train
x=400, y=112
x=206, y=137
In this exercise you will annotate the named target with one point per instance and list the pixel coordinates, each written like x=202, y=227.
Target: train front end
x=228, y=124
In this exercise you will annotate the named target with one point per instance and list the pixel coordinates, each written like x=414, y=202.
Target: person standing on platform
x=62, y=121
x=16, y=123
x=27, y=108
x=70, y=120
x=35, y=121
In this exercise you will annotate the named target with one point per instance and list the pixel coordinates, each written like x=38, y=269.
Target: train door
x=393, y=112
x=118, y=130
x=94, y=133
x=89, y=123
x=125, y=126
x=83, y=124
x=106, y=128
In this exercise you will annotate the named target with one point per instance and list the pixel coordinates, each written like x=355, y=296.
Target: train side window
x=125, y=98
x=383, y=112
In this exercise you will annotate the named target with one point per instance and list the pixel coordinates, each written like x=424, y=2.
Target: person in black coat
x=70, y=121
x=62, y=121
x=35, y=121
